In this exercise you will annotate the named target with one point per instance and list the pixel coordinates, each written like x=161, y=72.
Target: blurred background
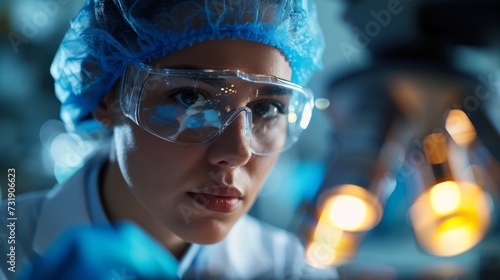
x=394, y=71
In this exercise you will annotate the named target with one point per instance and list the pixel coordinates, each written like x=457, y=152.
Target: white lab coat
x=251, y=250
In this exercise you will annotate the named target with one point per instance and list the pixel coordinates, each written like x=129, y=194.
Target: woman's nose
x=232, y=147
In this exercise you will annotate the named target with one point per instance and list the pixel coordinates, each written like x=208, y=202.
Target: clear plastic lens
x=195, y=106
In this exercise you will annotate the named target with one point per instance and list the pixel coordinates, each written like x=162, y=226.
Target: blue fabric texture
x=102, y=253
x=107, y=35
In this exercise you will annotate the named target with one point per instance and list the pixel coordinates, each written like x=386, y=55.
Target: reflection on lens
x=162, y=120
x=195, y=121
x=212, y=116
x=306, y=117
x=269, y=137
x=322, y=103
x=190, y=135
x=162, y=115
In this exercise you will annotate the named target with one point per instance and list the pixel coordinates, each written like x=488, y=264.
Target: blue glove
x=125, y=252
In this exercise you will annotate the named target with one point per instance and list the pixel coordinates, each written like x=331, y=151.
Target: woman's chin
x=208, y=233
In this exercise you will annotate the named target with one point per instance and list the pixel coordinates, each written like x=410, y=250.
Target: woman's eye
x=189, y=98
x=267, y=109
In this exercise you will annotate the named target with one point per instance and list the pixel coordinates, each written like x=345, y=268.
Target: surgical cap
x=107, y=35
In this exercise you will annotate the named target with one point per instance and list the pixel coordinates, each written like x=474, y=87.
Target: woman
x=200, y=98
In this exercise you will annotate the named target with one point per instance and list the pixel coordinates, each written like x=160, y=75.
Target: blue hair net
x=107, y=35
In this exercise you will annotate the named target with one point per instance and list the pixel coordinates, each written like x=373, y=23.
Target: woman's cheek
x=125, y=144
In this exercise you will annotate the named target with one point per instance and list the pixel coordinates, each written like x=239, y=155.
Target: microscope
x=424, y=113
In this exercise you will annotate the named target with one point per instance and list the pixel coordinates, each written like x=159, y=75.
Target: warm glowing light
x=330, y=245
x=445, y=197
x=292, y=117
x=451, y=217
x=348, y=212
x=306, y=117
x=460, y=127
x=452, y=233
x=352, y=208
x=322, y=103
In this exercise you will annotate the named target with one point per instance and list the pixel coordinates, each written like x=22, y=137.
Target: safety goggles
x=196, y=106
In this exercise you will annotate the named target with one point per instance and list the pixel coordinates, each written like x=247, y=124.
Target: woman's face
x=198, y=192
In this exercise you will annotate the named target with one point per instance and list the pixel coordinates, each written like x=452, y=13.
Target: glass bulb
x=445, y=197
x=451, y=217
x=352, y=208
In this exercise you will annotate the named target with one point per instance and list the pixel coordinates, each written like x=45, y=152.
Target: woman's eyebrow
x=221, y=83
x=273, y=90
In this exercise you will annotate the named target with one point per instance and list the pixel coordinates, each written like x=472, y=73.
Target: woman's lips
x=222, y=200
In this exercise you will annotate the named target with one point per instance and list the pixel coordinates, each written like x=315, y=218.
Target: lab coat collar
x=240, y=260
x=65, y=207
